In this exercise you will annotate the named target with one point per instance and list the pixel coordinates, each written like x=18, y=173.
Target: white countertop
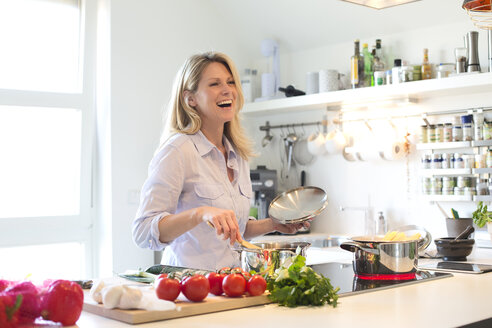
x=447, y=302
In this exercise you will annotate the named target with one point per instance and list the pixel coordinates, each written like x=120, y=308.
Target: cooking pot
x=383, y=260
x=271, y=256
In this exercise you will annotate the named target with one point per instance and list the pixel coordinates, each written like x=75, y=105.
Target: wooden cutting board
x=184, y=308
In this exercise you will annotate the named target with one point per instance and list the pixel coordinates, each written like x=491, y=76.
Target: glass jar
x=478, y=125
x=431, y=133
x=406, y=73
x=426, y=186
x=469, y=191
x=488, y=159
x=487, y=131
x=439, y=132
x=436, y=161
x=480, y=161
x=448, y=132
x=457, y=129
x=447, y=161
x=379, y=78
x=469, y=161
x=466, y=121
x=482, y=187
x=458, y=161
x=448, y=183
x=389, y=77
x=458, y=191
x=417, y=73
x=436, y=186
x=426, y=161
x=423, y=134
x=444, y=70
x=463, y=182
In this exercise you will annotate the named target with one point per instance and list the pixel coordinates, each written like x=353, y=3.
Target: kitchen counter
x=447, y=302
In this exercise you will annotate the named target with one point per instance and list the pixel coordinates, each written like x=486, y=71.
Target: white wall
x=150, y=40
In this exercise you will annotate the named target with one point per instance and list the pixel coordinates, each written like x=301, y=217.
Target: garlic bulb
x=111, y=296
x=130, y=299
x=95, y=292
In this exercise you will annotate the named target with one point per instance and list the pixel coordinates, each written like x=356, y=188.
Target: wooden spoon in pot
x=243, y=242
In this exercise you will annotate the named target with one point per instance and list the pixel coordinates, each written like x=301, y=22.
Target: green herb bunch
x=481, y=216
x=300, y=285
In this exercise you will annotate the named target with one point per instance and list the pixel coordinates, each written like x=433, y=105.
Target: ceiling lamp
x=380, y=4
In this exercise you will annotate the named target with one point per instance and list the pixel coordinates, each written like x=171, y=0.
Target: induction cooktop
x=342, y=275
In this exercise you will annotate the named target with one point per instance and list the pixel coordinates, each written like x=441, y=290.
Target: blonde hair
x=182, y=118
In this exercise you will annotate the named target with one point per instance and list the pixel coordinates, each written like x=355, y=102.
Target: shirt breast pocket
x=208, y=194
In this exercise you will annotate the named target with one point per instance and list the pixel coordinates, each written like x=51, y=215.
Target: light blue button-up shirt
x=188, y=171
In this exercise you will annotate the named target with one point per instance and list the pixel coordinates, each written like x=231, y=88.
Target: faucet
x=369, y=222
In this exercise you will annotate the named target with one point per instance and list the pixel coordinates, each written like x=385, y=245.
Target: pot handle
x=352, y=246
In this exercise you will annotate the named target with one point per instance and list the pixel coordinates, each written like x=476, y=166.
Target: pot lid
x=298, y=205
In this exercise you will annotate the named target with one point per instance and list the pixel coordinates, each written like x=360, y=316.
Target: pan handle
x=352, y=246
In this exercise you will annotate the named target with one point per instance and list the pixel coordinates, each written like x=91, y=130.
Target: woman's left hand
x=289, y=228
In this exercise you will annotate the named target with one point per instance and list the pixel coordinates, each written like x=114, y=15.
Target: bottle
x=368, y=72
x=395, y=71
x=357, y=67
x=426, y=66
x=379, y=55
x=246, y=84
x=382, y=226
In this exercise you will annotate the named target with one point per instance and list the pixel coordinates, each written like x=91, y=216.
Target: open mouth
x=225, y=104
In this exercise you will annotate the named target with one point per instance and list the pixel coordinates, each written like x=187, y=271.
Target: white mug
x=334, y=142
x=329, y=80
x=316, y=143
x=312, y=83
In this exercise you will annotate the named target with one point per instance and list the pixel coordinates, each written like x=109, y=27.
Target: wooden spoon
x=243, y=242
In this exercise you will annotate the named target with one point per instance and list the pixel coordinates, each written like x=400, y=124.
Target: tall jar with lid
x=466, y=121
x=487, y=130
x=431, y=133
x=457, y=129
x=423, y=134
x=488, y=159
x=448, y=132
x=439, y=132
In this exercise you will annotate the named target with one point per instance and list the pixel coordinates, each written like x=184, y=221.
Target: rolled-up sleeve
x=159, y=197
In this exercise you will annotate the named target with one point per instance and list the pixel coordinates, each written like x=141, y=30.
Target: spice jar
x=436, y=161
x=488, y=159
x=458, y=161
x=426, y=186
x=423, y=134
x=487, y=131
x=439, y=132
x=406, y=73
x=436, y=185
x=417, y=73
x=379, y=78
x=458, y=191
x=447, y=161
x=448, y=132
x=431, y=133
x=463, y=182
x=469, y=161
x=457, y=129
x=482, y=187
x=466, y=121
x=480, y=161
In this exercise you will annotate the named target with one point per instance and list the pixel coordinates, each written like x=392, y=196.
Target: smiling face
x=215, y=97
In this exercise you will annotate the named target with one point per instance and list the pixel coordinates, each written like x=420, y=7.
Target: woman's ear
x=189, y=98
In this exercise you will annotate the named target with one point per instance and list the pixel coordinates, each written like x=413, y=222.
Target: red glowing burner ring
x=395, y=276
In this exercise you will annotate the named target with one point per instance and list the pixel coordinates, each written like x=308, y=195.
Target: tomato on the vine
x=246, y=275
x=256, y=285
x=234, y=285
x=225, y=270
x=167, y=289
x=162, y=275
x=215, y=281
x=195, y=288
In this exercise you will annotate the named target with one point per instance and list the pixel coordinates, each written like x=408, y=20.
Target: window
x=46, y=124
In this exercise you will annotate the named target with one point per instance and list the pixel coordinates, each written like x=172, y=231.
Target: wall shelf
x=416, y=90
x=482, y=171
x=447, y=198
x=446, y=172
x=444, y=145
x=484, y=198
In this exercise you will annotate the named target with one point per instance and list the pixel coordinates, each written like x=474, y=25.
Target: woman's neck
x=214, y=135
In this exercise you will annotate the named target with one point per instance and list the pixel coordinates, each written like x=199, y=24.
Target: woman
x=196, y=199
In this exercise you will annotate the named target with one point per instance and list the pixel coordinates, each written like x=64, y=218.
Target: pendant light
x=380, y=4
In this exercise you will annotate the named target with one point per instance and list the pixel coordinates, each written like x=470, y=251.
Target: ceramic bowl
x=452, y=250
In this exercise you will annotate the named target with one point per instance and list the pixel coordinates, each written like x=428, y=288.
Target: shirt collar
x=204, y=146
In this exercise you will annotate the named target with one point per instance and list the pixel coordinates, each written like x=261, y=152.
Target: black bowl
x=452, y=250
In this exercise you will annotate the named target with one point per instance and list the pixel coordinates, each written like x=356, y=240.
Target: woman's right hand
x=224, y=222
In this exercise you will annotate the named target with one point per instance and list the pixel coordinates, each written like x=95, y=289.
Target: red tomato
x=63, y=302
x=195, y=288
x=215, y=280
x=234, y=285
x=162, y=275
x=256, y=285
x=246, y=275
x=167, y=289
x=237, y=270
x=225, y=270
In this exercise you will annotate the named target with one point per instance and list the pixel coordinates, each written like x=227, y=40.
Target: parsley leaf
x=301, y=285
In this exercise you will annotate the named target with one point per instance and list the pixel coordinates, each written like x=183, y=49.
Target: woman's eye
x=213, y=84
x=231, y=82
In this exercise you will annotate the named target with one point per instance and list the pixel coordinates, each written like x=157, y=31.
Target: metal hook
x=424, y=117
